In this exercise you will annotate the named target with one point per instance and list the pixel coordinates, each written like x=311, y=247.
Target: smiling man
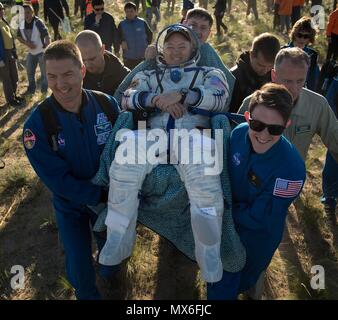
x=63, y=138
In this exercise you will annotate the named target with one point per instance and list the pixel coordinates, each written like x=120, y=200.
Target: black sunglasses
x=303, y=35
x=98, y=9
x=259, y=126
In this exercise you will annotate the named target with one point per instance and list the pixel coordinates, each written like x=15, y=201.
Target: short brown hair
x=200, y=13
x=303, y=24
x=295, y=55
x=267, y=44
x=63, y=49
x=273, y=96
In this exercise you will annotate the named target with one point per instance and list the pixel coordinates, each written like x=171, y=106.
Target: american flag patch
x=287, y=188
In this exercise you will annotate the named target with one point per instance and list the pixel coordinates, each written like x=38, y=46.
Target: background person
x=302, y=35
x=33, y=34
x=103, y=24
x=8, y=68
x=253, y=68
x=53, y=12
x=104, y=71
x=134, y=36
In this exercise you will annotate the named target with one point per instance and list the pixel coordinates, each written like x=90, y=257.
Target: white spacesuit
x=203, y=89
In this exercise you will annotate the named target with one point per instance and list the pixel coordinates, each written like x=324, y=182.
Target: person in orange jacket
x=89, y=7
x=284, y=12
x=332, y=35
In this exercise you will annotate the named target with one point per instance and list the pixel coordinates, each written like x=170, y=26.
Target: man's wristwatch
x=184, y=92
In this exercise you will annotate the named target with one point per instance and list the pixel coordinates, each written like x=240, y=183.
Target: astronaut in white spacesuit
x=179, y=95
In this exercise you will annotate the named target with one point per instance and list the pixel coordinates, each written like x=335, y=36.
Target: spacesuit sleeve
x=139, y=93
x=270, y=207
x=125, y=84
x=55, y=171
x=214, y=92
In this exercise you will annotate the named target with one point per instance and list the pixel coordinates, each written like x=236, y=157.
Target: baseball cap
x=177, y=29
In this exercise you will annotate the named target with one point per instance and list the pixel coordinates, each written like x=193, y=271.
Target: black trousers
x=219, y=22
x=332, y=51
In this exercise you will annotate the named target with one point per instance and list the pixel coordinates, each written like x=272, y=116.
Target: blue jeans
x=31, y=64
x=225, y=289
x=149, y=15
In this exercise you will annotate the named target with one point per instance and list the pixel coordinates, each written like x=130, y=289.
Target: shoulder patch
x=287, y=188
x=29, y=139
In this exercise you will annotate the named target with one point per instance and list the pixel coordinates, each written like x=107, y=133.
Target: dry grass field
x=28, y=233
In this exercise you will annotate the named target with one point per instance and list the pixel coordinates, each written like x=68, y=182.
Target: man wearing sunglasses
x=104, y=25
x=263, y=187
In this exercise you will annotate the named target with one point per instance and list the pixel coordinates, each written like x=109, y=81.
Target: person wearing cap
x=8, y=68
x=200, y=21
x=173, y=93
x=33, y=34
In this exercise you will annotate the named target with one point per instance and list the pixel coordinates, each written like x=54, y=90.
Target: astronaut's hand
x=176, y=110
x=150, y=52
x=164, y=100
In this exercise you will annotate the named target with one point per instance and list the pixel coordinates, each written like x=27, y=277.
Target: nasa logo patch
x=236, y=159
